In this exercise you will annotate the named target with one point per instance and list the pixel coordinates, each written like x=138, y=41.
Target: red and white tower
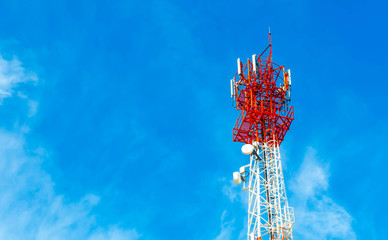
x=261, y=90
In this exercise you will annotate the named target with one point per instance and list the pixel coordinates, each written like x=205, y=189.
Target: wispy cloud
x=29, y=206
x=11, y=74
x=235, y=194
x=114, y=233
x=230, y=189
x=33, y=107
x=317, y=215
x=226, y=228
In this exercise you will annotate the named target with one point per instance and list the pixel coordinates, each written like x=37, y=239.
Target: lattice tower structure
x=261, y=90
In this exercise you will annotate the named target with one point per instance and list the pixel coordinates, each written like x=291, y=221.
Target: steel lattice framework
x=261, y=90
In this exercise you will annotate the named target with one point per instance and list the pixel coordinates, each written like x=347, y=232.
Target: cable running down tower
x=261, y=91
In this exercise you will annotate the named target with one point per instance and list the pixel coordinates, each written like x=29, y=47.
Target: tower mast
x=261, y=90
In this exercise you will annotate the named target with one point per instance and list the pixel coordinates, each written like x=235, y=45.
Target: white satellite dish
x=247, y=149
x=237, y=177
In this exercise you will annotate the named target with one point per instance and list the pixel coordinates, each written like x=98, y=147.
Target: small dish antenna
x=247, y=149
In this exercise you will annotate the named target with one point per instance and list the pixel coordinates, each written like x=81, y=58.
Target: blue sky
x=116, y=119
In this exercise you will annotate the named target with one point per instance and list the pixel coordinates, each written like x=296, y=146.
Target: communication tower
x=261, y=90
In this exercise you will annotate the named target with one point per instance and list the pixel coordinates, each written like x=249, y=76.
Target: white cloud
x=317, y=216
x=234, y=192
x=312, y=177
x=114, y=233
x=33, y=107
x=29, y=207
x=226, y=228
x=230, y=189
x=11, y=74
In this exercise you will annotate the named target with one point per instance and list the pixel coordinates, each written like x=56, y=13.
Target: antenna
x=238, y=66
x=289, y=76
x=254, y=62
